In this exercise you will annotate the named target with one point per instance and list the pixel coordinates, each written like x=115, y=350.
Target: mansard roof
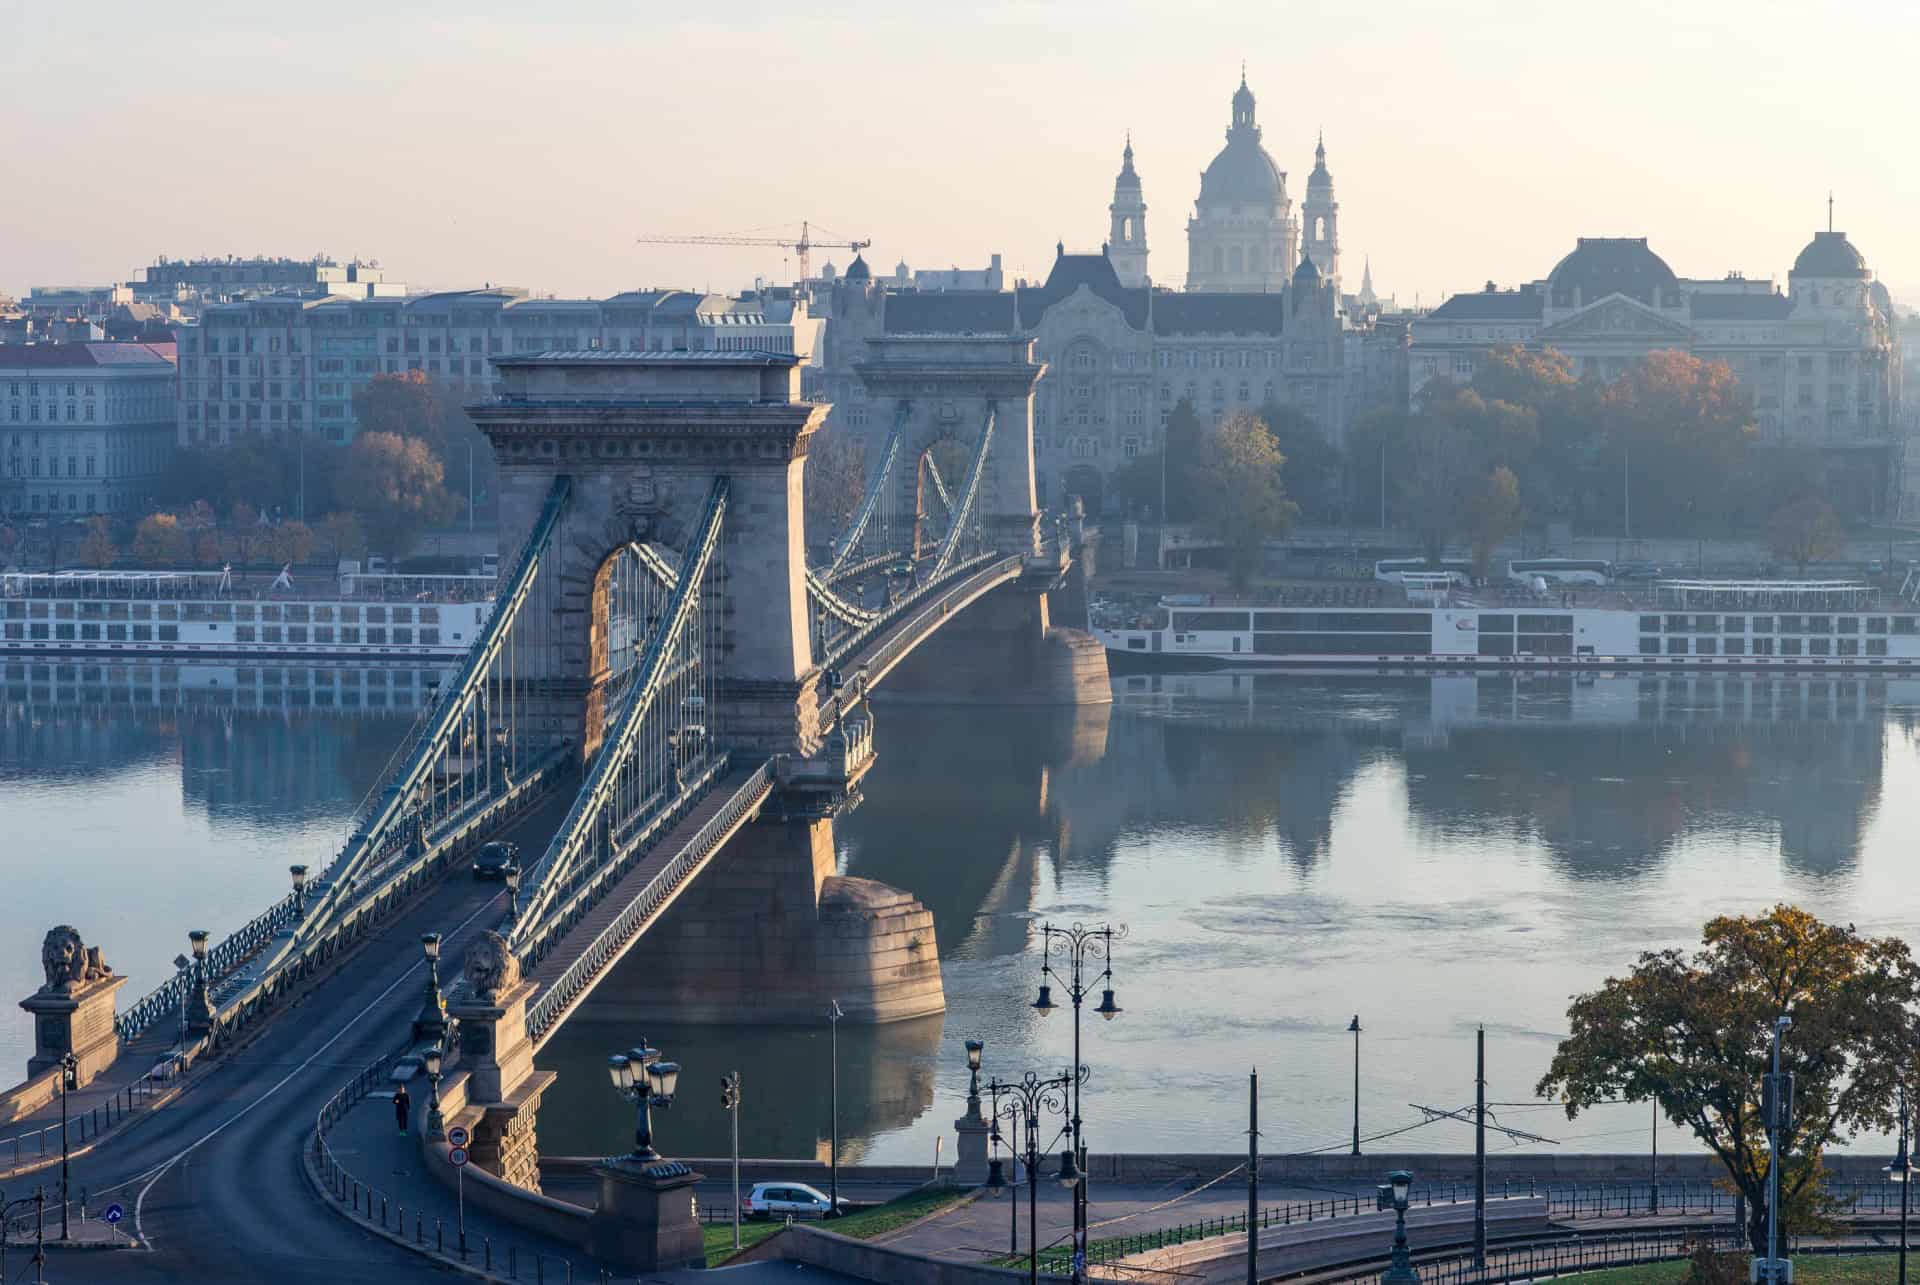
x=1218, y=314
x=950, y=312
x=1095, y=272
x=1490, y=304
x=1713, y=306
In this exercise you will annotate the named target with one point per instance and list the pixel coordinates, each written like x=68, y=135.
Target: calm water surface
x=1432, y=853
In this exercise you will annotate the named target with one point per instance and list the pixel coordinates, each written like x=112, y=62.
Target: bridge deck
x=605, y=917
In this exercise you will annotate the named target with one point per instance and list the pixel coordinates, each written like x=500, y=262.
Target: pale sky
x=529, y=144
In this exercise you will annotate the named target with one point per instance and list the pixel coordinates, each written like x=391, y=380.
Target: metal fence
x=83, y=1126
x=365, y=1202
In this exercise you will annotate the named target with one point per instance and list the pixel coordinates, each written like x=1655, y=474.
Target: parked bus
x=1392, y=569
x=1560, y=570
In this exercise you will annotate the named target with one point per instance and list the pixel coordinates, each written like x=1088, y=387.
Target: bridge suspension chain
x=467, y=756
x=658, y=747
x=879, y=498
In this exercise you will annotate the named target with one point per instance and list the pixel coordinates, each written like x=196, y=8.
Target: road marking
x=160, y=1171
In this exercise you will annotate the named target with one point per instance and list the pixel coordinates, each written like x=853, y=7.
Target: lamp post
x=642, y=1078
x=833, y=1145
x=1354, y=1026
x=69, y=1081
x=730, y=1103
x=997, y=1181
x=974, y=1049
x=1776, y=1114
x=199, y=1008
x=431, y=1024
x=299, y=874
x=512, y=876
x=430, y=1060
x=1076, y=946
x=1900, y=1171
x=1393, y=1194
x=183, y=968
x=1029, y=1099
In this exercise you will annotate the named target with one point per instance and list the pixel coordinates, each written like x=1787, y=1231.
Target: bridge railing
x=84, y=1126
x=598, y=954
x=222, y=960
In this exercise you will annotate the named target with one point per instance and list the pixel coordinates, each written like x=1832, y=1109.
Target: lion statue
x=491, y=967
x=64, y=957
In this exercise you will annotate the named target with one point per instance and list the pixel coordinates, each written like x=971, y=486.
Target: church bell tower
x=1320, y=214
x=1127, y=237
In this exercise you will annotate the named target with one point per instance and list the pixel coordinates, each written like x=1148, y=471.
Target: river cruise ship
x=1735, y=624
x=211, y=613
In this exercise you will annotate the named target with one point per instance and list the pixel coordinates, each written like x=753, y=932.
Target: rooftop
x=93, y=355
x=611, y=357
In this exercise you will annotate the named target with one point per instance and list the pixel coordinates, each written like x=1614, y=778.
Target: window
x=1649, y=646
x=1676, y=646
x=1848, y=646
x=1789, y=646
x=1763, y=646
x=1876, y=646
x=1733, y=646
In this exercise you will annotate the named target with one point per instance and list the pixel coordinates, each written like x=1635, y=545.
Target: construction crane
x=801, y=248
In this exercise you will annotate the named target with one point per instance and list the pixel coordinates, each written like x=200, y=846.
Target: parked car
x=787, y=1200
x=1636, y=571
x=492, y=860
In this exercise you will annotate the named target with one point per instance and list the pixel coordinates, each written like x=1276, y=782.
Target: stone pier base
x=1003, y=650
x=768, y=933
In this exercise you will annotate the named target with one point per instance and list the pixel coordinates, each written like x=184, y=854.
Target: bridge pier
x=1004, y=650
x=771, y=934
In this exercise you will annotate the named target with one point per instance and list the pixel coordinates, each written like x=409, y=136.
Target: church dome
x=1306, y=274
x=1242, y=173
x=1604, y=265
x=1830, y=254
x=858, y=269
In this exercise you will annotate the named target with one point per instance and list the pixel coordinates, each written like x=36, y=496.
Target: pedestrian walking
x=402, y=1107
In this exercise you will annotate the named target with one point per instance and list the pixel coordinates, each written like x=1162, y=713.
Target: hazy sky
x=529, y=144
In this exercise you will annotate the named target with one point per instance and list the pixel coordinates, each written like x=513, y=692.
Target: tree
x=1692, y=1034
x=1313, y=464
x=395, y=484
x=414, y=404
x=1806, y=531
x=835, y=480
x=290, y=542
x=342, y=536
x=1678, y=428
x=98, y=549
x=1186, y=441
x=1242, y=501
x=1439, y=474
x=161, y=541
x=1493, y=514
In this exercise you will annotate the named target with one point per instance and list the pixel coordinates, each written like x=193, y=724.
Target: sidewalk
x=120, y=1094
x=414, y=1206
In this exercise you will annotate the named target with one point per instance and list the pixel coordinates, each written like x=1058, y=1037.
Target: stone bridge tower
x=1007, y=649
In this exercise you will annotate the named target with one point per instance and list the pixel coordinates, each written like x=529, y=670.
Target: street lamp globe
x=1108, y=1009
x=1402, y=1182
x=1044, y=1005
x=1069, y=1176
x=1901, y=1166
x=430, y=947
x=996, y=1176
x=199, y=939
x=973, y=1053
x=299, y=874
x=620, y=1071
x=666, y=1078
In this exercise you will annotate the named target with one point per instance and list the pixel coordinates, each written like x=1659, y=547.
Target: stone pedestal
x=501, y=1081
x=646, y=1218
x=76, y=1018
x=970, y=1146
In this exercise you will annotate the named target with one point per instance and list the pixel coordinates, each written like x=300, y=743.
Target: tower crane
x=801, y=248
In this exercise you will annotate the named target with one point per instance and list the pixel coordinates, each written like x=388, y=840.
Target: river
x=1432, y=853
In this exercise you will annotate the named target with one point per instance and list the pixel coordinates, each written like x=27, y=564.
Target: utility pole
x=1354, y=1026
x=1653, y=1169
x=730, y=1102
x=1253, y=1178
x=1480, y=1149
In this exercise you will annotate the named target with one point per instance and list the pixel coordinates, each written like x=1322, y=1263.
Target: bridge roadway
x=213, y=1183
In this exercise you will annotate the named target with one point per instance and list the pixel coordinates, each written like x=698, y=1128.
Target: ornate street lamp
x=1901, y=1171
x=431, y=1024
x=1028, y=1099
x=512, y=875
x=1078, y=947
x=833, y=1153
x=299, y=874
x=198, y=1006
x=974, y=1049
x=430, y=1060
x=1354, y=1028
x=1394, y=1193
x=641, y=1078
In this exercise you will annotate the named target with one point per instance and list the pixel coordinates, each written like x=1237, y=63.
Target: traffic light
x=70, y=1076
x=729, y=1092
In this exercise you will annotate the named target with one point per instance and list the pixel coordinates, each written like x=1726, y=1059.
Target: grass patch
x=1812, y=1269
x=865, y=1225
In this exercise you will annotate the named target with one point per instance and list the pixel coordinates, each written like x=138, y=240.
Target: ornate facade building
x=1262, y=321
x=1821, y=360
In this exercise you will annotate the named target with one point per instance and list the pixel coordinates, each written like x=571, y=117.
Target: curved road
x=213, y=1182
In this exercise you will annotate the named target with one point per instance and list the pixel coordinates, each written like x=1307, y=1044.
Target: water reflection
x=169, y=797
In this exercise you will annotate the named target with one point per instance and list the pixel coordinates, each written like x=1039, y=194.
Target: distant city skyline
x=459, y=143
